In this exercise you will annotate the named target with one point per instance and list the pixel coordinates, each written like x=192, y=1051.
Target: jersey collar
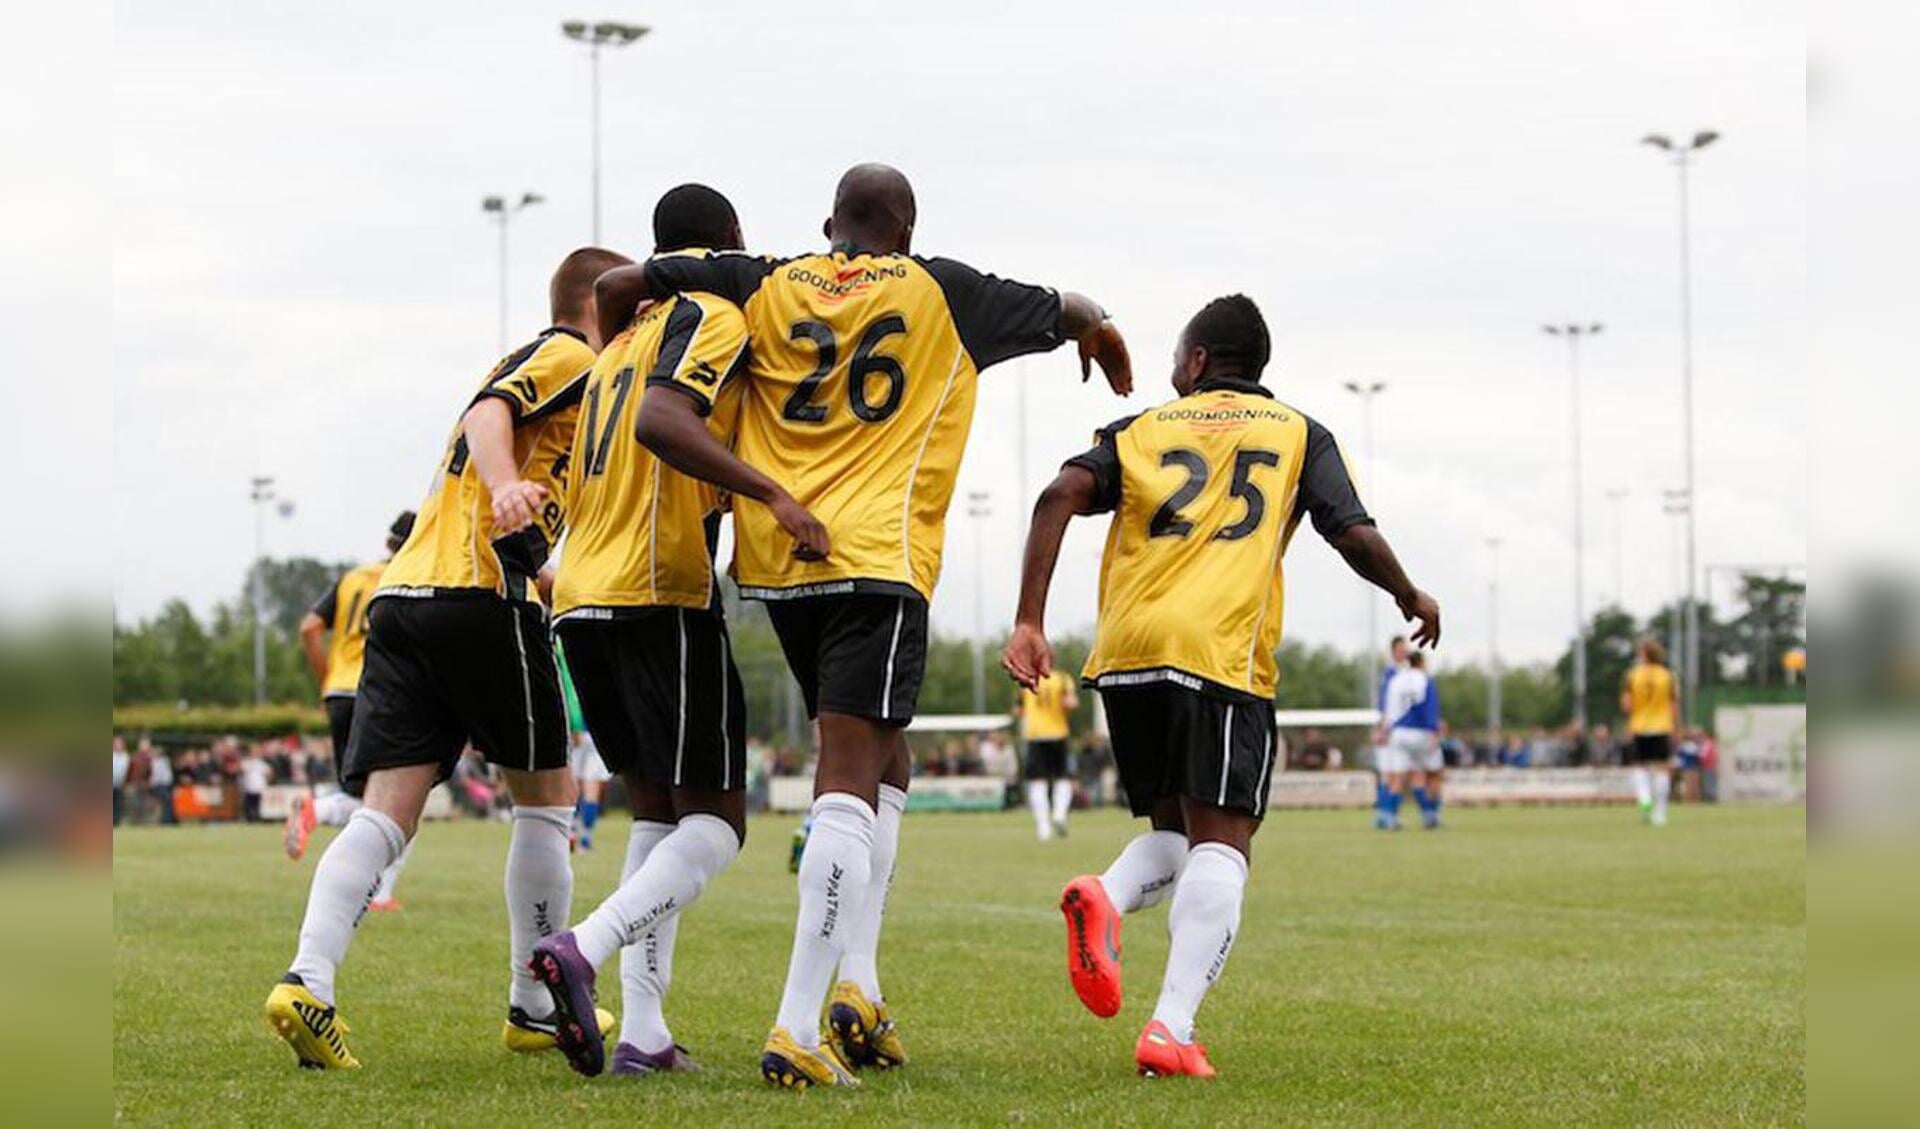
x=568, y=330
x=1229, y=384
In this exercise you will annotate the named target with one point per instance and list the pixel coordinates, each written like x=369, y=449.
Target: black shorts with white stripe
x=452, y=668
x=661, y=695
x=340, y=729
x=856, y=653
x=1169, y=740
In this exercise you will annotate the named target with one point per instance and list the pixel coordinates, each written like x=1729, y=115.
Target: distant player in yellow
x=334, y=636
x=1650, y=699
x=1044, y=713
x=1205, y=492
x=458, y=652
x=637, y=607
x=862, y=374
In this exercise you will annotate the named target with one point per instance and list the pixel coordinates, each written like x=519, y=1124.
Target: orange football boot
x=1159, y=1055
x=1093, y=944
x=299, y=827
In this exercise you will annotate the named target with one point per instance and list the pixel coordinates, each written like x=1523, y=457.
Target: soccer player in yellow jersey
x=334, y=636
x=458, y=651
x=860, y=394
x=1650, y=699
x=1044, y=711
x=1205, y=492
x=638, y=611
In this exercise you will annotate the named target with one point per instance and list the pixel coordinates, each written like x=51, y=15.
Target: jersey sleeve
x=328, y=606
x=702, y=349
x=543, y=377
x=1327, y=493
x=1102, y=460
x=733, y=275
x=998, y=318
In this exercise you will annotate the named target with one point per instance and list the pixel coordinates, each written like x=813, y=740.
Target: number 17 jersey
x=1205, y=494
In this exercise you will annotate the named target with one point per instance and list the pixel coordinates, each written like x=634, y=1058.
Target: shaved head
x=873, y=209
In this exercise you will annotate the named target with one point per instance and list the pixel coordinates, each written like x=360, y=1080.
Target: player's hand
x=810, y=540
x=1105, y=347
x=1028, y=656
x=1426, y=611
x=517, y=505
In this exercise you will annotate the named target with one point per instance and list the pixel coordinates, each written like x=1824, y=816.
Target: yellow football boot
x=784, y=1062
x=524, y=1035
x=314, y=1030
x=863, y=1032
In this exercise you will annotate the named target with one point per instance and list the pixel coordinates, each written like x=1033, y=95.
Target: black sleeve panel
x=1103, y=461
x=328, y=606
x=1326, y=489
x=998, y=318
x=733, y=275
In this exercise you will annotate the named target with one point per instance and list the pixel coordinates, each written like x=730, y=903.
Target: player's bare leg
x=1141, y=875
x=1202, y=922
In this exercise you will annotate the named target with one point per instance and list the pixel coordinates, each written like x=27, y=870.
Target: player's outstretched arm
x=488, y=427
x=311, y=630
x=1368, y=554
x=1028, y=656
x=616, y=295
x=1083, y=320
x=670, y=426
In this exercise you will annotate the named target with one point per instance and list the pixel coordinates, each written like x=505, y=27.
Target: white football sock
x=334, y=809
x=391, y=875
x=1143, y=873
x=1662, y=787
x=343, y=884
x=539, y=890
x=1037, y=803
x=677, y=870
x=834, y=873
x=1643, y=786
x=646, y=967
x=1203, y=919
x=861, y=964
x=1062, y=799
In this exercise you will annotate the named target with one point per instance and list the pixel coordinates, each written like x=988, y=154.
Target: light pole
x=1616, y=495
x=605, y=33
x=1493, y=644
x=1367, y=392
x=1682, y=157
x=979, y=508
x=1675, y=505
x=501, y=211
x=1574, y=333
x=263, y=495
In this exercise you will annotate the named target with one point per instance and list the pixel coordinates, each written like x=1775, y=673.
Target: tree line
x=183, y=660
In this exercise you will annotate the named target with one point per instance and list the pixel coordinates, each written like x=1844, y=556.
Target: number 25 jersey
x=1205, y=493
x=860, y=396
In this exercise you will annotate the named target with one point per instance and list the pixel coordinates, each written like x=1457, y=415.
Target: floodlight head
x=1352, y=386
x=1705, y=138
x=527, y=198
x=492, y=204
x=1657, y=140
x=1553, y=329
x=574, y=29
x=1595, y=328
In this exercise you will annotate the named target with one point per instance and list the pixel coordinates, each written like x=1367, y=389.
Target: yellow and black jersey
x=1205, y=493
x=640, y=534
x=343, y=611
x=1043, y=709
x=1650, y=699
x=452, y=549
x=861, y=395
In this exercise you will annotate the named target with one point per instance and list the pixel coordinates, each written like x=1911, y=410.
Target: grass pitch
x=1523, y=966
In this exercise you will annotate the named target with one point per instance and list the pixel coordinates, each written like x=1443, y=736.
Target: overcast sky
x=304, y=285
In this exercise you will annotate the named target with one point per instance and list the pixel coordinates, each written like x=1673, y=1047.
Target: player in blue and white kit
x=1410, y=716
x=1387, y=783
x=1425, y=774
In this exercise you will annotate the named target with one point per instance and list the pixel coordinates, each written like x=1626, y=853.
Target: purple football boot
x=629, y=1059
x=557, y=963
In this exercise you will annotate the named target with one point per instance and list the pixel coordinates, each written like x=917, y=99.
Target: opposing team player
x=1651, y=701
x=590, y=774
x=1045, y=713
x=863, y=369
x=458, y=650
x=1205, y=492
x=639, y=615
x=334, y=636
x=1410, y=715
x=1389, y=781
